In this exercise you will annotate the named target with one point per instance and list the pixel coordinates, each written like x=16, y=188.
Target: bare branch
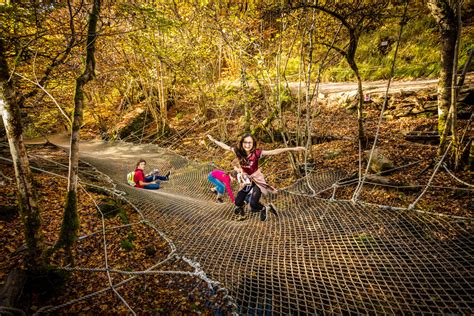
x=49, y=95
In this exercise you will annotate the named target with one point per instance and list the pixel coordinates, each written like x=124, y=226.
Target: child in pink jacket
x=221, y=181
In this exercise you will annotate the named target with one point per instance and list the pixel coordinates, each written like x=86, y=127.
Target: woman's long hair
x=240, y=151
x=140, y=161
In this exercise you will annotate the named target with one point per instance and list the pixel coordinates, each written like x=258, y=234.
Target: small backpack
x=130, y=178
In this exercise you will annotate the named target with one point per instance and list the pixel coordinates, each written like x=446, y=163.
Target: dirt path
x=381, y=85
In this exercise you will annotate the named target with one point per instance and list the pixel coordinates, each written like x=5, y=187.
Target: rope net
x=314, y=255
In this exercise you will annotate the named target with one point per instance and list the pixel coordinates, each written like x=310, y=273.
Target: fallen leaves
x=153, y=293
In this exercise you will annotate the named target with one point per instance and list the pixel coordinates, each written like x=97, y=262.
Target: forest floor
x=138, y=247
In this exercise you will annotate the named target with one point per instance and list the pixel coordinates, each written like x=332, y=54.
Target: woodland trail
x=378, y=86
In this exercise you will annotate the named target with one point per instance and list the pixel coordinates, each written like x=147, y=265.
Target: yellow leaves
x=10, y=248
x=103, y=307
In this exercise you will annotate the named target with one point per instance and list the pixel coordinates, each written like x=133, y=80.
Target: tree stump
x=13, y=288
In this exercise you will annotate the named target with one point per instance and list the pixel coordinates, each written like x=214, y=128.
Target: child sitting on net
x=221, y=181
x=150, y=181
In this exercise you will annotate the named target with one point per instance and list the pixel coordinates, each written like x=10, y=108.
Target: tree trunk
x=27, y=197
x=448, y=43
x=447, y=22
x=454, y=91
x=244, y=91
x=279, y=74
x=350, y=57
x=301, y=76
x=13, y=289
x=163, y=105
x=308, y=96
x=360, y=110
x=70, y=223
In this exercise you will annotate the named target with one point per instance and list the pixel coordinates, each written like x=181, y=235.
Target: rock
x=380, y=162
x=423, y=137
x=345, y=99
x=378, y=179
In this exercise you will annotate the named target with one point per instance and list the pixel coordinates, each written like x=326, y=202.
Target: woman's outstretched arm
x=220, y=144
x=281, y=150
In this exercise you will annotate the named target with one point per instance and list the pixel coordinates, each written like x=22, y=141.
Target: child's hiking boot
x=239, y=210
x=214, y=190
x=263, y=213
x=272, y=209
x=219, y=199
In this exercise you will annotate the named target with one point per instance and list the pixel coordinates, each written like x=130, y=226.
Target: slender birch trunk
x=244, y=89
x=26, y=194
x=454, y=90
x=70, y=223
x=163, y=108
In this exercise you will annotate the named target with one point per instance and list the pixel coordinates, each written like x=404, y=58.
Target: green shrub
x=127, y=245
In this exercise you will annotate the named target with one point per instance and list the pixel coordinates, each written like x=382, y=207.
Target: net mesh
x=315, y=255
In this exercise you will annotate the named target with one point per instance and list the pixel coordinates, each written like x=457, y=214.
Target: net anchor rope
x=111, y=228
x=412, y=205
x=454, y=176
x=334, y=188
x=358, y=189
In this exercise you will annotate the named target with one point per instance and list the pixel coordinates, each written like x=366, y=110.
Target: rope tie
x=334, y=188
x=412, y=205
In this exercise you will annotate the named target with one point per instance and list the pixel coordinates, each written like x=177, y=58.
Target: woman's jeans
x=220, y=187
x=153, y=186
x=255, y=204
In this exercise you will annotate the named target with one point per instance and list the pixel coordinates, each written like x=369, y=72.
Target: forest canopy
x=154, y=55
